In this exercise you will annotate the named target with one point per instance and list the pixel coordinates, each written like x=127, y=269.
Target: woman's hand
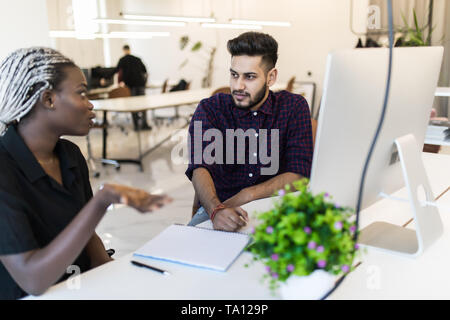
x=136, y=198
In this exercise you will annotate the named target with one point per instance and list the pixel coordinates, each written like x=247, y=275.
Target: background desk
x=442, y=92
x=435, y=135
x=143, y=103
x=424, y=277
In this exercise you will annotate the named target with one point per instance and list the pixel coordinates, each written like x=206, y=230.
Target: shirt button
x=250, y=175
x=255, y=113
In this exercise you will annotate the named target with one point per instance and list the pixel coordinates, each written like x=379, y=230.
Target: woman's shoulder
x=9, y=170
x=72, y=151
x=6, y=161
x=70, y=147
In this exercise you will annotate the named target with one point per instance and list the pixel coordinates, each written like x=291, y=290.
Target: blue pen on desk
x=140, y=264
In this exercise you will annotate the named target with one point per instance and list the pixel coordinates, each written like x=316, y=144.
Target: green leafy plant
x=196, y=46
x=413, y=36
x=303, y=233
x=201, y=49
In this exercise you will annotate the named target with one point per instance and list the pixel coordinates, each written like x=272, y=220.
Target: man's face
x=248, y=81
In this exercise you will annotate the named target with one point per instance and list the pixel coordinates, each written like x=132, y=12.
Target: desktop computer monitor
x=98, y=73
x=353, y=94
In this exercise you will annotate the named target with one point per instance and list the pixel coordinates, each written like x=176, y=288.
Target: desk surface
x=442, y=92
x=158, y=101
x=148, y=102
x=380, y=275
x=386, y=276
x=435, y=135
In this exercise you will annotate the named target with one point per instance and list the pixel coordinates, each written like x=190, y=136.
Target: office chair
x=290, y=84
x=225, y=90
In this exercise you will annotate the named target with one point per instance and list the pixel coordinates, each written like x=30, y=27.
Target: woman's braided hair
x=24, y=75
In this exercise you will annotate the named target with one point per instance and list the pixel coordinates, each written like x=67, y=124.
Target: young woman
x=48, y=213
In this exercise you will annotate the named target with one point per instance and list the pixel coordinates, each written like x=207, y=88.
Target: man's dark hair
x=126, y=47
x=255, y=44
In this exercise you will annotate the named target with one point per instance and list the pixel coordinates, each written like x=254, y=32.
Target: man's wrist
x=219, y=207
x=209, y=207
x=249, y=194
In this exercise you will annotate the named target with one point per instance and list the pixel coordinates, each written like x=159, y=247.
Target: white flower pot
x=312, y=287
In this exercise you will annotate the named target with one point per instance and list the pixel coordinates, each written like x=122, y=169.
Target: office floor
x=127, y=230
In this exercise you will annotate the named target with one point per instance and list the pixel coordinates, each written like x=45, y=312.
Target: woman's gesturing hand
x=136, y=198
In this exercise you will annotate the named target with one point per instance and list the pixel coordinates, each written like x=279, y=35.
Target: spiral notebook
x=196, y=247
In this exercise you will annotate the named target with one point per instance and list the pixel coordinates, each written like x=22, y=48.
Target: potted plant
x=414, y=36
x=305, y=242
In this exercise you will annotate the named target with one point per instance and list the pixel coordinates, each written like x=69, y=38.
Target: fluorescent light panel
x=111, y=35
x=230, y=26
x=168, y=18
x=261, y=23
x=140, y=22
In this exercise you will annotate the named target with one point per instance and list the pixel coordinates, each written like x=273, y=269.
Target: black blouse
x=34, y=208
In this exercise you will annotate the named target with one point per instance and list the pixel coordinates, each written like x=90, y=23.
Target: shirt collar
x=265, y=108
x=25, y=159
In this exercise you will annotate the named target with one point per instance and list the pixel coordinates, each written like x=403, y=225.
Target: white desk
x=435, y=135
x=442, y=92
x=386, y=276
x=143, y=103
x=151, y=102
x=159, y=101
x=426, y=276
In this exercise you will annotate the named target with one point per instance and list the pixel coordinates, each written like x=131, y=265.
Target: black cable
x=374, y=141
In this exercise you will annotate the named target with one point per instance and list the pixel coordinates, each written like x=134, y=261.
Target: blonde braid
x=24, y=75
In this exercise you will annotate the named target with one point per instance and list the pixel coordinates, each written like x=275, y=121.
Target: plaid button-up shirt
x=231, y=171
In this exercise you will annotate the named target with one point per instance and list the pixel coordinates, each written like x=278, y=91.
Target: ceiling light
x=111, y=35
x=261, y=23
x=168, y=18
x=140, y=22
x=230, y=26
x=137, y=35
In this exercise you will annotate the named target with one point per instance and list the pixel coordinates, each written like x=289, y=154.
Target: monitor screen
x=98, y=73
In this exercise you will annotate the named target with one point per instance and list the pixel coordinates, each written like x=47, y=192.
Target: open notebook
x=197, y=247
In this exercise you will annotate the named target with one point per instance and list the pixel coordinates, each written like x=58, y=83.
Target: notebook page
x=197, y=247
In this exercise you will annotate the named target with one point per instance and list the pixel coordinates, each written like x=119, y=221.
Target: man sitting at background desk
x=251, y=111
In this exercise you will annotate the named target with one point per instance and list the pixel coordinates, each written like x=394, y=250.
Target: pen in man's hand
x=140, y=264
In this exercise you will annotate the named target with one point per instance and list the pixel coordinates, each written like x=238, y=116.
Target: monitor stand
x=399, y=240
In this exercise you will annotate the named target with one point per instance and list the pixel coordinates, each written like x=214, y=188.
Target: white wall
x=318, y=26
x=23, y=23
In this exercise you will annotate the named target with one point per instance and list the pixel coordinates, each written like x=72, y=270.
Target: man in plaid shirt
x=278, y=124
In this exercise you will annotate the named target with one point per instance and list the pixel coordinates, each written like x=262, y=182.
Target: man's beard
x=259, y=96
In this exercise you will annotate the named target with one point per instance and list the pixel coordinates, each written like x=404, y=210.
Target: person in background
x=48, y=213
x=133, y=74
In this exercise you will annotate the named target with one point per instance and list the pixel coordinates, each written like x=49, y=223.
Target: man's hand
x=230, y=219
